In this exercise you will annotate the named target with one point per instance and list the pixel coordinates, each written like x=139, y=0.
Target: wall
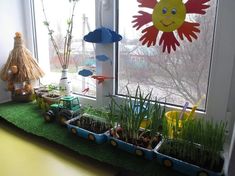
x=11, y=20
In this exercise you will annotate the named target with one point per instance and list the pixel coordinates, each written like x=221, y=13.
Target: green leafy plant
x=154, y=127
x=99, y=112
x=95, y=119
x=200, y=141
x=112, y=117
x=131, y=114
x=53, y=91
x=46, y=95
x=209, y=135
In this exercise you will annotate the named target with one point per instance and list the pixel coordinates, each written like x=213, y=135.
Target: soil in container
x=92, y=125
x=143, y=140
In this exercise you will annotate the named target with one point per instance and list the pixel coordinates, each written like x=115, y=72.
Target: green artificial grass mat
x=28, y=117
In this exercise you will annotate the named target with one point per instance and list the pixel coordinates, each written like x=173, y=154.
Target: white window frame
x=221, y=66
x=222, y=63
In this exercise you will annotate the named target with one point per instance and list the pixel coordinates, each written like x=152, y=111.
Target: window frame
x=222, y=64
x=220, y=75
x=220, y=72
x=85, y=100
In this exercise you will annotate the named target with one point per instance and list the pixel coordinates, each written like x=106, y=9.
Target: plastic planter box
x=139, y=151
x=182, y=166
x=98, y=138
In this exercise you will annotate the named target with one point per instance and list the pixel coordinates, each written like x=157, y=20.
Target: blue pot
x=98, y=138
x=182, y=166
x=128, y=147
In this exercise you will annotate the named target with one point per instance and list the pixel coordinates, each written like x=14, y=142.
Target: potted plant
x=196, y=150
x=39, y=92
x=52, y=96
x=127, y=134
x=46, y=95
x=91, y=124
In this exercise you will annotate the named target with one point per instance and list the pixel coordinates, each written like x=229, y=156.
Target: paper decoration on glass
x=102, y=35
x=102, y=58
x=101, y=78
x=169, y=17
x=85, y=72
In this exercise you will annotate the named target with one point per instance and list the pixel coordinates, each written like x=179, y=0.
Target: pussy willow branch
x=68, y=38
x=46, y=23
x=64, y=60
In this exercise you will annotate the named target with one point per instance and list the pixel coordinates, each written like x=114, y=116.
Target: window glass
x=174, y=78
x=75, y=102
x=82, y=54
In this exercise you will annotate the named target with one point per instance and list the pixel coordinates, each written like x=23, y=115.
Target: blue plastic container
x=98, y=138
x=139, y=151
x=182, y=166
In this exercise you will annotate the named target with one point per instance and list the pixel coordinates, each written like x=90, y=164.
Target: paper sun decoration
x=168, y=16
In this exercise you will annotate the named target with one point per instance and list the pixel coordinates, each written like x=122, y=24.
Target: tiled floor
x=25, y=155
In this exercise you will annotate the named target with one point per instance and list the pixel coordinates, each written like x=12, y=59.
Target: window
x=215, y=48
x=174, y=78
x=75, y=102
x=82, y=54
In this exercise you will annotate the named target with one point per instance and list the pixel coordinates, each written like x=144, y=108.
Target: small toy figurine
x=67, y=108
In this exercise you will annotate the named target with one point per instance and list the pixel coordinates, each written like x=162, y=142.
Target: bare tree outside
x=176, y=77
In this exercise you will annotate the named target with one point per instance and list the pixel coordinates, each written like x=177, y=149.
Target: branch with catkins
x=65, y=56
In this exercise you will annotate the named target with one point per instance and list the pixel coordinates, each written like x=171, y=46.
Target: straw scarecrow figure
x=20, y=69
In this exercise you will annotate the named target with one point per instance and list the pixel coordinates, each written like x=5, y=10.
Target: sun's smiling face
x=169, y=15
